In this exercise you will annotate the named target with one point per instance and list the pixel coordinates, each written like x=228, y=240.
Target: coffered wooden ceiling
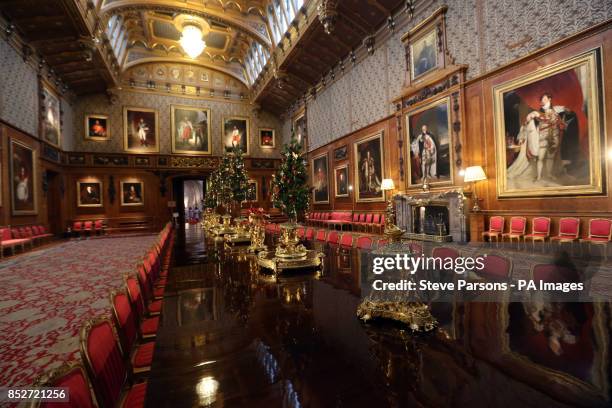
x=71, y=36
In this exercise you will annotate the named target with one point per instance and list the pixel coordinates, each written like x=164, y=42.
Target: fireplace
x=432, y=216
x=430, y=220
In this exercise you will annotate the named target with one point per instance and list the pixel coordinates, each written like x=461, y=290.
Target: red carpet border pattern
x=46, y=295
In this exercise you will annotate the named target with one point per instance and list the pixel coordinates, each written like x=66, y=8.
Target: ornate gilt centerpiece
x=241, y=232
x=416, y=315
x=258, y=232
x=289, y=243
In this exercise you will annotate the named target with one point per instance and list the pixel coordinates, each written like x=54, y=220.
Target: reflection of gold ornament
x=289, y=243
x=258, y=233
x=415, y=314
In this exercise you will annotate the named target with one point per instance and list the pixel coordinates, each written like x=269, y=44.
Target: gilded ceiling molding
x=174, y=60
x=166, y=6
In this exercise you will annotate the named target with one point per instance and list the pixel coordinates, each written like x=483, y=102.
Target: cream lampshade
x=474, y=174
x=387, y=184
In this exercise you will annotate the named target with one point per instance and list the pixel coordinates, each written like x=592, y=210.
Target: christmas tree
x=290, y=189
x=229, y=182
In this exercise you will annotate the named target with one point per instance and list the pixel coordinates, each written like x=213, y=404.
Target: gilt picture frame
x=23, y=164
x=89, y=193
x=548, y=130
x=320, y=179
x=341, y=181
x=369, y=168
x=190, y=130
x=236, y=131
x=140, y=130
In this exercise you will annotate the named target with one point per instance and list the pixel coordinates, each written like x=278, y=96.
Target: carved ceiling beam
x=379, y=6
x=355, y=23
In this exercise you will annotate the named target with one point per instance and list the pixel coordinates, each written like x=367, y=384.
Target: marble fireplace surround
x=454, y=200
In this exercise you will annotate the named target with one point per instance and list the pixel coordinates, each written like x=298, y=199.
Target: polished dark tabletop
x=233, y=336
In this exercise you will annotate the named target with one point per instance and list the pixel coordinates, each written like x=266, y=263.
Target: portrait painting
x=23, y=168
x=236, y=133
x=558, y=337
x=430, y=144
x=89, y=194
x=190, y=130
x=50, y=124
x=132, y=193
x=140, y=130
x=548, y=129
x=96, y=127
x=252, y=193
x=341, y=181
x=424, y=54
x=369, y=169
x=266, y=138
x=299, y=130
x=320, y=179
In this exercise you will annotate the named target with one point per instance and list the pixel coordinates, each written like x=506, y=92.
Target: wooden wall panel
x=480, y=126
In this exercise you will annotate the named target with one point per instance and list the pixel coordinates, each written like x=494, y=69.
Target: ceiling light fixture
x=191, y=40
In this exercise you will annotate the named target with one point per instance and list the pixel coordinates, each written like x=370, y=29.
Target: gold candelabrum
x=258, y=233
x=288, y=245
x=392, y=232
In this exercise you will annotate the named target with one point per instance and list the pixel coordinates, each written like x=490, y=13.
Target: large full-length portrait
x=299, y=129
x=50, y=124
x=89, y=194
x=190, y=130
x=320, y=179
x=424, y=54
x=97, y=127
x=140, y=130
x=236, y=133
x=23, y=179
x=369, y=171
x=430, y=144
x=548, y=128
x=341, y=181
x=132, y=193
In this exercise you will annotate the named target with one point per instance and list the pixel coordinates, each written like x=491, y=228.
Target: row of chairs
x=22, y=236
x=600, y=231
x=88, y=227
x=366, y=222
x=117, y=352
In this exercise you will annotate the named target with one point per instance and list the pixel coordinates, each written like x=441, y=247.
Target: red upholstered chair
x=496, y=267
x=375, y=227
x=496, y=228
x=88, y=227
x=146, y=326
x=321, y=235
x=77, y=228
x=444, y=252
x=75, y=379
x=102, y=355
x=139, y=356
x=309, y=234
x=540, y=231
x=569, y=230
x=99, y=227
x=600, y=232
x=300, y=232
x=518, y=225
x=553, y=273
x=43, y=233
x=346, y=240
x=333, y=237
x=368, y=221
x=364, y=242
x=25, y=233
x=417, y=249
x=7, y=241
x=153, y=307
x=158, y=285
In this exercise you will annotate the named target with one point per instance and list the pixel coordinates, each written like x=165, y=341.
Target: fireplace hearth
x=432, y=216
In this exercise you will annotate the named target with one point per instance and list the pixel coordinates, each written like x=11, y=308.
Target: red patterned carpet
x=45, y=295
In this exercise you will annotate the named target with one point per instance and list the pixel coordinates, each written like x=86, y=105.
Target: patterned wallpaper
x=19, y=96
x=483, y=34
x=18, y=90
x=99, y=104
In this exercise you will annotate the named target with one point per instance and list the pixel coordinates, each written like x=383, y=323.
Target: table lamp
x=474, y=174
